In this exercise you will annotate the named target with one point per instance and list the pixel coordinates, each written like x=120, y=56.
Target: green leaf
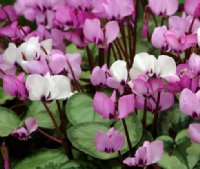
x=37, y=110
x=172, y=119
x=8, y=121
x=83, y=136
x=79, y=109
x=180, y=153
x=4, y=96
x=78, y=165
x=43, y=158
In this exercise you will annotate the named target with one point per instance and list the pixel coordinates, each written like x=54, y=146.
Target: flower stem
x=90, y=59
x=144, y=119
x=4, y=151
x=127, y=137
x=135, y=29
x=59, y=133
x=48, y=136
x=62, y=119
x=153, y=127
x=191, y=25
x=121, y=160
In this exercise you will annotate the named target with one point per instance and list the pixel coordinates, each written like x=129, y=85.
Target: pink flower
x=194, y=132
x=8, y=13
x=115, y=9
x=158, y=39
x=105, y=106
x=164, y=7
x=15, y=85
x=147, y=154
x=109, y=142
x=189, y=103
x=99, y=76
x=178, y=41
x=24, y=132
x=93, y=32
x=192, y=7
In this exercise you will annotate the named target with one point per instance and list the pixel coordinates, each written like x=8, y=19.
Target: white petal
x=119, y=71
x=12, y=54
x=143, y=62
x=37, y=86
x=63, y=86
x=167, y=66
x=46, y=46
x=31, y=48
x=198, y=36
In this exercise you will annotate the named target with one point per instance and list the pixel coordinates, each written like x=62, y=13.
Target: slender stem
x=162, y=21
x=59, y=133
x=130, y=38
x=101, y=57
x=90, y=58
x=135, y=29
x=118, y=50
x=62, y=119
x=153, y=127
x=191, y=25
x=79, y=88
x=127, y=137
x=114, y=53
x=121, y=159
x=124, y=52
x=5, y=154
x=145, y=113
x=154, y=17
x=48, y=136
x=123, y=33
x=108, y=55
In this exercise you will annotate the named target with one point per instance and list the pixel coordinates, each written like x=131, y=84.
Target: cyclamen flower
x=147, y=154
x=147, y=64
x=172, y=40
x=105, y=106
x=194, y=132
x=164, y=7
x=48, y=87
x=8, y=13
x=189, y=103
x=24, y=132
x=93, y=32
x=115, y=9
x=71, y=63
x=32, y=49
x=192, y=7
x=15, y=85
x=109, y=142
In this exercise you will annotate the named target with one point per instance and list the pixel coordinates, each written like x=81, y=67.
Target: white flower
x=48, y=87
x=119, y=71
x=144, y=63
x=30, y=49
x=12, y=54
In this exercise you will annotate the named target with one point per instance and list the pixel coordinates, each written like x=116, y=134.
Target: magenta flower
x=194, y=132
x=98, y=76
x=94, y=33
x=8, y=13
x=24, y=132
x=105, y=106
x=15, y=85
x=109, y=142
x=158, y=38
x=147, y=154
x=164, y=7
x=192, y=7
x=189, y=103
x=114, y=9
